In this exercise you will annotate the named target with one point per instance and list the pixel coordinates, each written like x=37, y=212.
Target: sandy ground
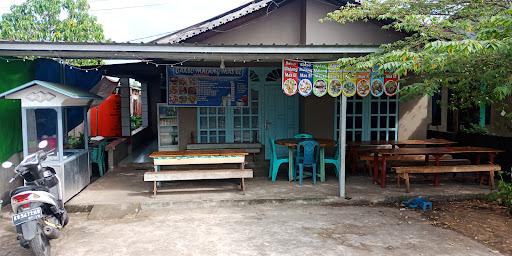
x=484, y=221
x=273, y=229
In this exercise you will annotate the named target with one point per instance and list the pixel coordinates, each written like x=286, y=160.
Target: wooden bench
x=193, y=157
x=413, y=160
x=403, y=172
x=251, y=148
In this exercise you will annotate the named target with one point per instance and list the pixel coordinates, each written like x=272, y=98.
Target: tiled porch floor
x=126, y=186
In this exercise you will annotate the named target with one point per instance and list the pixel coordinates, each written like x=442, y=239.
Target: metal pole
x=342, y=143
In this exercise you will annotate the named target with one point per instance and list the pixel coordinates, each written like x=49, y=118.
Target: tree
x=52, y=21
x=464, y=45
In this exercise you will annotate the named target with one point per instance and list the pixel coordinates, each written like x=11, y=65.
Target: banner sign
x=305, y=78
x=334, y=79
x=376, y=84
x=319, y=79
x=349, y=83
x=207, y=87
x=290, y=77
x=391, y=85
x=363, y=83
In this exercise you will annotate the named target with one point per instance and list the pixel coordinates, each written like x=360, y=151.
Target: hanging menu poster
x=193, y=86
x=376, y=84
x=349, y=83
x=319, y=79
x=334, y=79
x=308, y=78
x=391, y=85
x=363, y=84
x=305, y=78
x=290, y=77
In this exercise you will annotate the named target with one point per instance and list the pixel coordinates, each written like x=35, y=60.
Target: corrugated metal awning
x=142, y=51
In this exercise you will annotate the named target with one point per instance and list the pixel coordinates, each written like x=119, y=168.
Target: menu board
x=193, y=86
x=290, y=77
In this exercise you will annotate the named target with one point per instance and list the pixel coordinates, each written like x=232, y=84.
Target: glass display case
x=167, y=128
x=58, y=114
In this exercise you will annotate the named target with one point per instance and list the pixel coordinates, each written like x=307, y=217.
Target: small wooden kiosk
x=57, y=113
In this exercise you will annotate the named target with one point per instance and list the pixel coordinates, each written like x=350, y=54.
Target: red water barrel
x=105, y=119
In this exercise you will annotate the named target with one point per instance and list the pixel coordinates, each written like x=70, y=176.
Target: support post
x=342, y=144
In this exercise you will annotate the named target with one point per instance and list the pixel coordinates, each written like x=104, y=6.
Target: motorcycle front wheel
x=40, y=245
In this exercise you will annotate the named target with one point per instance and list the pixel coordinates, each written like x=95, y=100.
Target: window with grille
x=212, y=124
x=245, y=121
x=370, y=118
x=230, y=124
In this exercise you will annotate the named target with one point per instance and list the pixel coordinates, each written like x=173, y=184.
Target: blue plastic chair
x=335, y=160
x=303, y=136
x=308, y=150
x=275, y=161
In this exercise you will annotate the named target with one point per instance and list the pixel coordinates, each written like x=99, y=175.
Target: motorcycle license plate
x=26, y=216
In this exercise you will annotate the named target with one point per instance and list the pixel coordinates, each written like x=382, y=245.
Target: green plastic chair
x=275, y=161
x=98, y=157
x=303, y=136
x=335, y=160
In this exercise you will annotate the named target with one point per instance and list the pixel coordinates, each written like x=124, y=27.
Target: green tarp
x=12, y=74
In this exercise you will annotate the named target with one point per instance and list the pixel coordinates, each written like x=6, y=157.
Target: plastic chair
x=275, y=161
x=335, y=160
x=303, y=136
x=98, y=157
x=308, y=149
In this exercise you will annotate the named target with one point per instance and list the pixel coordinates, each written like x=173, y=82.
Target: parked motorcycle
x=39, y=212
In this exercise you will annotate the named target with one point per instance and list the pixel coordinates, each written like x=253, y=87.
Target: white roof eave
x=180, y=51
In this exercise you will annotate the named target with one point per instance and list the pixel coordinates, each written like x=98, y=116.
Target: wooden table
x=192, y=157
x=356, y=146
x=292, y=143
x=436, y=152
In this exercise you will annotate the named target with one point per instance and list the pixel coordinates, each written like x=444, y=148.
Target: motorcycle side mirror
x=43, y=144
x=7, y=165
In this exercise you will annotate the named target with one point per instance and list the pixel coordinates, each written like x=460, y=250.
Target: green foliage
x=464, y=45
x=75, y=142
x=52, y=21
x=475, y=129
x=504, y=194
x=136, y=122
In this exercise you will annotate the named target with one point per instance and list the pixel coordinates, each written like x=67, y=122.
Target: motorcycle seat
x=27, y=188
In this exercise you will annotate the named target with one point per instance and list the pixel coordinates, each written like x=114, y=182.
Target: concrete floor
x=126, y=186
x=263, y=229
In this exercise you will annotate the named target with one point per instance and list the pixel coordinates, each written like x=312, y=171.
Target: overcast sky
x=125, y=20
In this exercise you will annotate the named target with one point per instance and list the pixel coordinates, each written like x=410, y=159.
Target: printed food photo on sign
x=319, y=79
x=290, y=77
x=334, y=88
x=363, y=84
x=377, y=86
x=391, y=85
x=305, y=78
x=335, y=76
x=349, y=84
x=349, y=88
